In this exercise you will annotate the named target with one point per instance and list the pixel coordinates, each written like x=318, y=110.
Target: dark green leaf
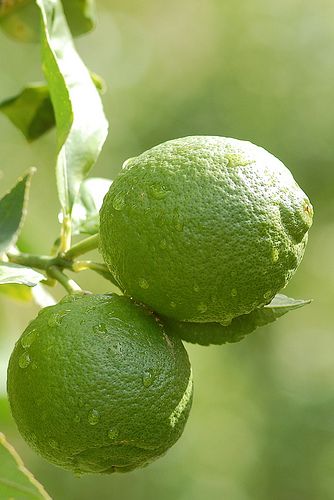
x=215, y=333
x=16, y=482
x=30, y=111
x=20, y=18
x=14, y=273
x=85, y=215
x=81, y=125
x=12, y=212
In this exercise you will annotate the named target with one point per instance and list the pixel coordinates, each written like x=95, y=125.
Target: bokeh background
x=262, y=424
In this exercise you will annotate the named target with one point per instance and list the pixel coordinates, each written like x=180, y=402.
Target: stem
x=38, y=261
x=82, y=265
x=70, y=285
x=84, y=246
x=66, y=233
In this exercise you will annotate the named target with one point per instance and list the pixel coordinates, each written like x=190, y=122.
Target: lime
x=96, y=386
x=204, y=229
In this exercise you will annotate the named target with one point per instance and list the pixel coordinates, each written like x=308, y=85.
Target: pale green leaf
x=20, y=18
x=12, y=212
x=85, y=215
x=16, y=482
x=14, y=273
x=216, y=333
x=17, y=292
x=31, y=111
x=81, y=124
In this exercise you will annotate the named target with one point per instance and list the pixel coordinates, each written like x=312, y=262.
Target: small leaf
x=20, y=18
x=17, y=292
x=16, y=482
x=31, y=111
x=215, y=333
x=12, y=212
x=14, y=273
x=85, y=215
x=81, y=125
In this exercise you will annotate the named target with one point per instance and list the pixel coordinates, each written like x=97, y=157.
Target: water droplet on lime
x=143, y=283
x=163, y=244
x=93, y=417
x=234, y=292
x=28, y=339
x=275, y=254
x=147, y=378
x=100, y=328
x=158, y=191
x=113, y=434
x=77, y=419
x=196, y=288
x=172, y=304
x=118, y=202
x=57, y=318
x=202, y=308
x=267, y=295
x=24, y=360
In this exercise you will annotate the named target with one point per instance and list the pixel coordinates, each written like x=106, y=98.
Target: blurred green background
x=262, y=424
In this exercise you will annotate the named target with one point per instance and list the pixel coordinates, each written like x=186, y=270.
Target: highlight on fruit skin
x=204, y=229
x=96, y=386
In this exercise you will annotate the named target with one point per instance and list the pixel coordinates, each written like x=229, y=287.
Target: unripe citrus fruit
x=95, y=385
x=204, y=229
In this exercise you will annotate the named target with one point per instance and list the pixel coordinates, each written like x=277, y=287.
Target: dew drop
x=172, y=304
x=147, y=378
x=275, y=254
x=77, y=419
x=202, y=308
x=158, y=191
x=267, y=295
x=163, y=244
x=226, y=321
x=118, y=202
x=57, y=318
x=234, y=292
x=143, y=283
x=100, y=328
x=93, y=417
x=196, y=288
x=28, y=339
x=24, y=360
x=113, y=434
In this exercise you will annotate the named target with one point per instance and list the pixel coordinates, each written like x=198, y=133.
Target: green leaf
x=81, y=125
x=12, y=212
x=31, y=111
x=20, y=18
x=85, y=215
x=215, y=333
x=80, y=14
x=14, y=273
x=17, y=292
x=16, y=482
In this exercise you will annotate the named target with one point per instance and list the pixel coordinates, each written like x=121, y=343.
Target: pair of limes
x=200, y=230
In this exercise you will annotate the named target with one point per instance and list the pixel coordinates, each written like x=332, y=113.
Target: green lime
x=204, y=229
x=96, y=386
